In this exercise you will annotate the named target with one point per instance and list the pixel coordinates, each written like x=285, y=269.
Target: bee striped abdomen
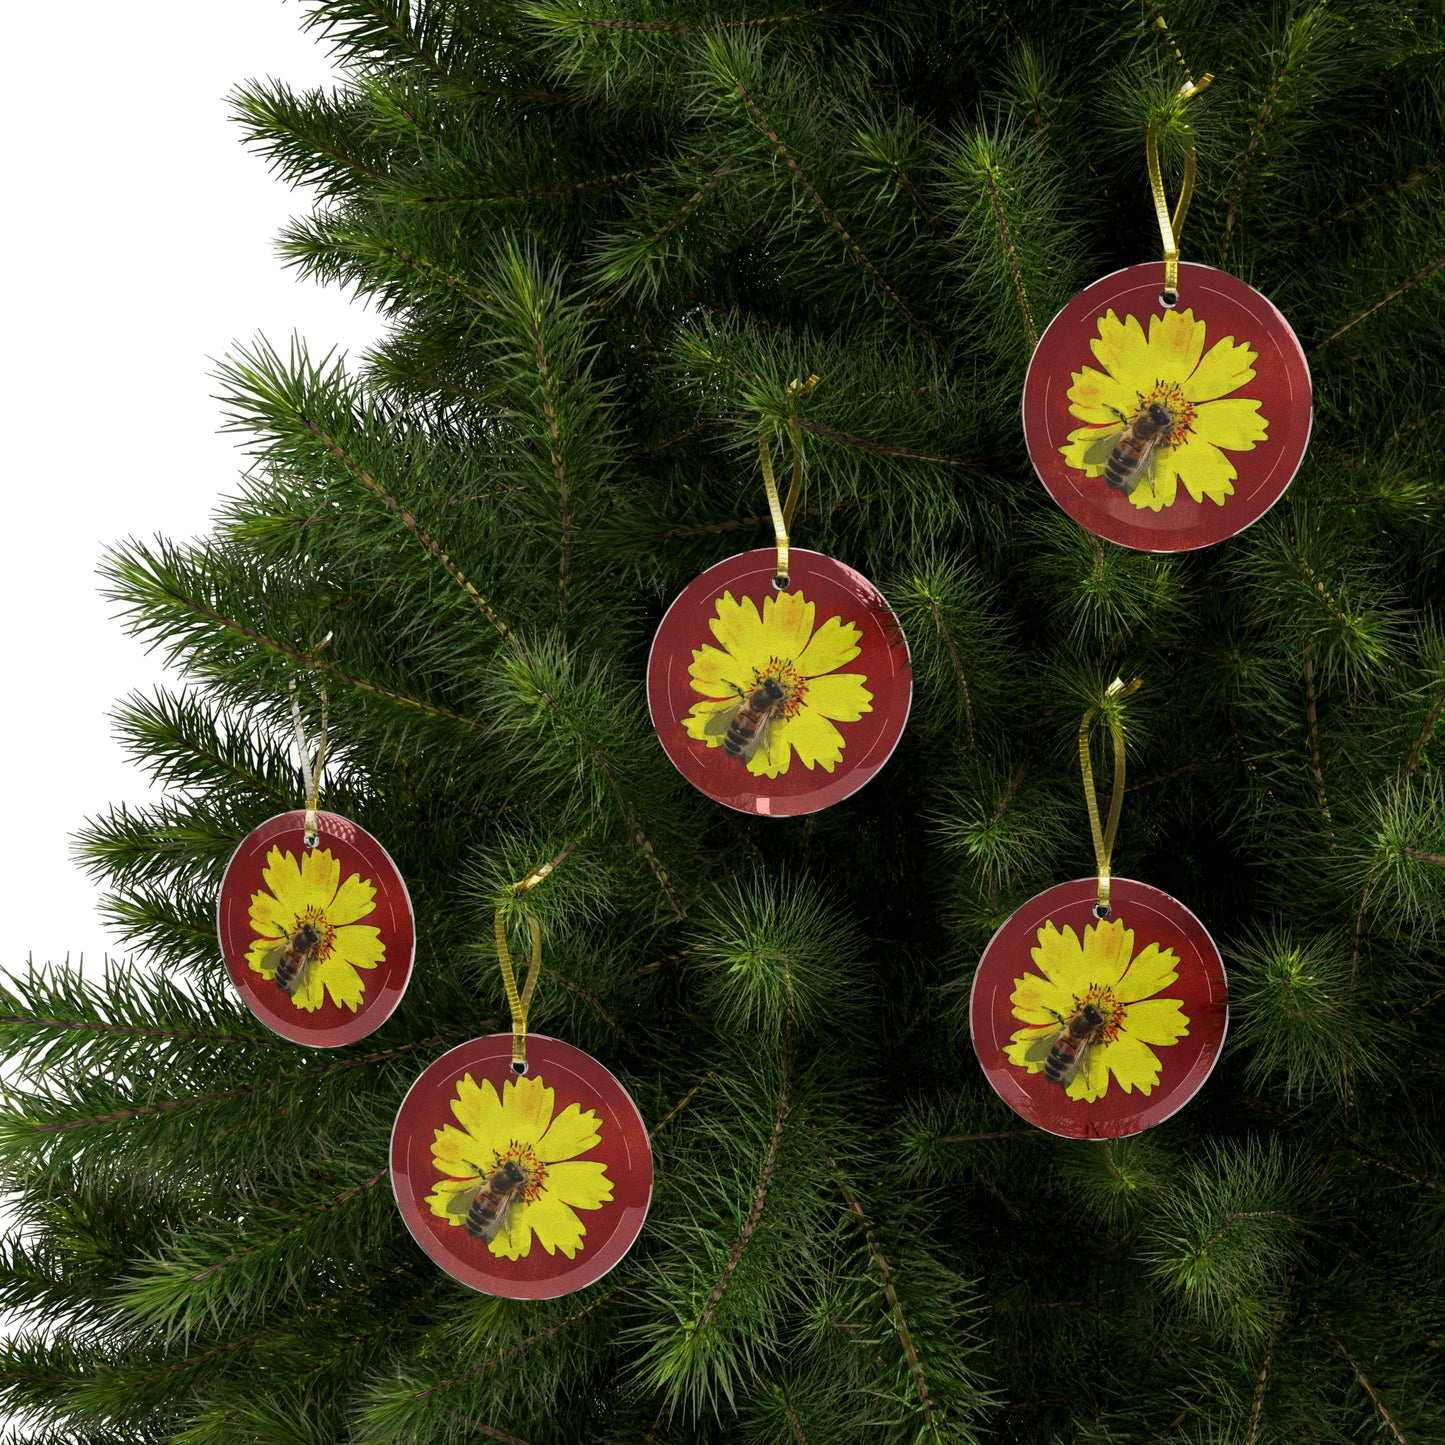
x=1078, y=1033
x=489, y=1209
x=752, y=716
x=1132, y=451
x=740, y=733
x=1124, y=461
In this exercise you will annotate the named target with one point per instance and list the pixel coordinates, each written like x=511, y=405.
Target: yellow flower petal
x=1134, y=1064
x=457, y=1153
x=1108, y=947
x=1225, y=368
x=840, y=696
x=717, y=675
x=1206, y=471
x=1176, y=340
x=282, y=878
x=1121, y=348
x=358, y=945
x=1156, y=1021
x=1038, y=1001
x=1153, y=969
x=582, y=1184
x=1060, y=958
x=527, y=1105
x=354, y=900
x=479, y=1112
x=1234, y=423
x=514, y=1241
x=775, y=753
x=557, y=1228
x=1092, y=1080
x=1098, y=397
x=740, y=630
x=816, y=741
x=269, y=917
x=788, y=624
x=571, y=1133
x=320, y=874
x=833, y=644
x=1159, y=488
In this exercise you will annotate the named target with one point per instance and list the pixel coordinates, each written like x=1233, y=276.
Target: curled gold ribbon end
x=1171, y=227
x=1105, y=834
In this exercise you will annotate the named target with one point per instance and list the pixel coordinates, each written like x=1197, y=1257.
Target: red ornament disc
x=779, y=701
x=1097, y=1028
x=525, y=1185
x=1167, y=428
x=319, y=942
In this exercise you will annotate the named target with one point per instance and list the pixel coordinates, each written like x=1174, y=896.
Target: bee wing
x=719, y=722
x=1067, y=1077
x=461, y=1201
x=299, y=979
x=1147, y=466
x=501, y=1223
x=758, y=740
x=1038, y=1051
x=1098, y=451
x=272, y=956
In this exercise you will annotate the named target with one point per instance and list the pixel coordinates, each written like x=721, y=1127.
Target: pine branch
x=811, y=192
x=1417, y=279
x=1365, y=1385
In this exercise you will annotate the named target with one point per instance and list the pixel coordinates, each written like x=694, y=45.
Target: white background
x=139, y=250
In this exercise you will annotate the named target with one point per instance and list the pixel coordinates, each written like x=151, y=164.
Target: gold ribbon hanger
x=520, y=1000
x=784, y=511
x=1104, y=835
x=1172, y=226
x=311, y=764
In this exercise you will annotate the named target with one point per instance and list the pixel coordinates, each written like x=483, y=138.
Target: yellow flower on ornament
x=1162, y=408
x=539, y=1195
x=1101, y=970
x=310, y=895
x=772, y=688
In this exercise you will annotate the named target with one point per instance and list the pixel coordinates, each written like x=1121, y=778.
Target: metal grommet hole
x=1101, y=910
x=519, y=1066
x=1168, y=299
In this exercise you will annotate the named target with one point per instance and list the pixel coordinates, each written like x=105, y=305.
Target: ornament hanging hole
x=1169, y=299
x=780, y=582
x=1102, y=910
x=519, y=1066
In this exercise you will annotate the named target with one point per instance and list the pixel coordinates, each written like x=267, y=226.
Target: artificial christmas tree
x=615, y=242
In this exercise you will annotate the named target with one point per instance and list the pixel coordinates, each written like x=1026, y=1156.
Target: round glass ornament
x=527, y=1185
x=779, y=701
x=1167, y=428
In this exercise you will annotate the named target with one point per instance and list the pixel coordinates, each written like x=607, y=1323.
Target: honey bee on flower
x=1161, y=412
x=512, y=1172
x=311, y=941
x=1092, y=1011
x=772, y=689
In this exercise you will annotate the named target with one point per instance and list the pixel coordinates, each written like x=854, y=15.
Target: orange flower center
x=318, y=920
x=1113, y=1011
x=524, y=1156
x=1170, y=395
x=793, y=683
